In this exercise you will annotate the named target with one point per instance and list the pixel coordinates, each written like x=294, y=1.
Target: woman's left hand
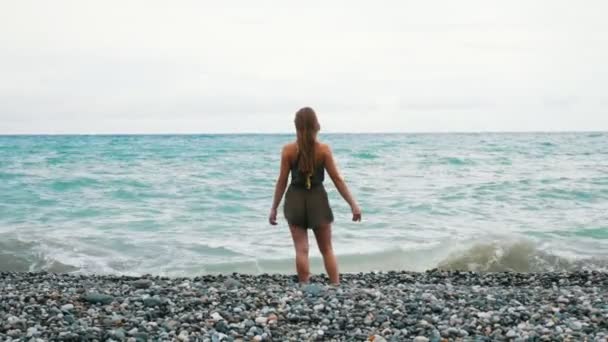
x=356, y=213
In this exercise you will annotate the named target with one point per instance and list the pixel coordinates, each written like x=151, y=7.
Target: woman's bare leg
x=300, y=242
x=323, y=236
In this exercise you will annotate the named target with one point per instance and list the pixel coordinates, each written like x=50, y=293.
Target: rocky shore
x=393, y=306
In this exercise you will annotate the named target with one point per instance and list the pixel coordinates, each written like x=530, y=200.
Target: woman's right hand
x=272, y=217
x=356, y=213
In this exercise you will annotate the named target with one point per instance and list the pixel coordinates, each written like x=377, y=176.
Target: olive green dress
x=306, y=201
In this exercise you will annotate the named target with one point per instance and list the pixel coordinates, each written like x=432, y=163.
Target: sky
x=246, y=66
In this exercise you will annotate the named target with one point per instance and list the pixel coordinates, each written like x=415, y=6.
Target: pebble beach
x=389, y=306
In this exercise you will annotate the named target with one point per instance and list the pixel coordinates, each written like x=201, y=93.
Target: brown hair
x=307, y=126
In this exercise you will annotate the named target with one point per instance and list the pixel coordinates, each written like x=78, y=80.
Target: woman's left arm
x=281, y=184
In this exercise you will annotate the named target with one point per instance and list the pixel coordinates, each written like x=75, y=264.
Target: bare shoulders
x=290, y=151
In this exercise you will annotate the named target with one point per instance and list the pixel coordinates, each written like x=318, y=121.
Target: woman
x=306, y=202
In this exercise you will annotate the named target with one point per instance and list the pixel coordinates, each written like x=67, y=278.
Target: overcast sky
x=246, y=66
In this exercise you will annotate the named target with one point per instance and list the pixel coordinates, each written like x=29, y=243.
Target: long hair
x=307, y=126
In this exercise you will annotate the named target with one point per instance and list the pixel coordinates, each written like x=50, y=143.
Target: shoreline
x=378, y=306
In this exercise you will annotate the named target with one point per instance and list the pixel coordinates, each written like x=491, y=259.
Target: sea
x=187, y=205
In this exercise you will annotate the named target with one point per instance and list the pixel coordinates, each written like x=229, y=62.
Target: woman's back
x=301, y=179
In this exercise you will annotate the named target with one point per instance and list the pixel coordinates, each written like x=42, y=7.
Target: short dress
x=307, y=205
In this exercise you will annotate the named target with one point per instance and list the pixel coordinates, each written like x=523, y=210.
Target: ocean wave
x=22, y=256
x=522, y=256
x=516, y=256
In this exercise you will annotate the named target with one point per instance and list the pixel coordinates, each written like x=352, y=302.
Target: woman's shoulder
x=324, y=150
x=290, y=148
x=323, y=147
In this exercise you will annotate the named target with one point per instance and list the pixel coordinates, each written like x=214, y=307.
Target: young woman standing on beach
x=306, y=203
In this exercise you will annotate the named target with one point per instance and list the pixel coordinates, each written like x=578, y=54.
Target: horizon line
x=292, y=133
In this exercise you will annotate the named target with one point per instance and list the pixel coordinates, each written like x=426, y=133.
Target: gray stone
x=312, y=289
x=248, y=323
x=232, y=283
x=152, y=301
x=452, y=332
x=142, y=283
x=98, y=298
x=575, y=325
x=120, y=334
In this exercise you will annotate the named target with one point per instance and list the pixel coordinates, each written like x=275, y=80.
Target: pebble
x=216, y=316
x=261, y=320
x=273, y=318
x=183, y=336
x=67, y=307
x=511, y=334
x=232, y=283
x=393, y=306
x=377, y=338
x=142, y=283
x=421, y=339
x=31, y=331
x=575, y=325
x=152, y=301
x=100, y=298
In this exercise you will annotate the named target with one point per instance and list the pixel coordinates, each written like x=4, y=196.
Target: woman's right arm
x=332, y=170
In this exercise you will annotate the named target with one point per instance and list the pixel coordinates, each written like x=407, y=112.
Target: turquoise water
x=184, y=205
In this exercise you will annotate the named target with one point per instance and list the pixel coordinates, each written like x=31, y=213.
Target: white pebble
x=484, y=315
x=216, y=316
x=31, y=331
x=378, y=338
x=261, y=320
x=428, y=297
x=67, y=307
x=183, y=336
